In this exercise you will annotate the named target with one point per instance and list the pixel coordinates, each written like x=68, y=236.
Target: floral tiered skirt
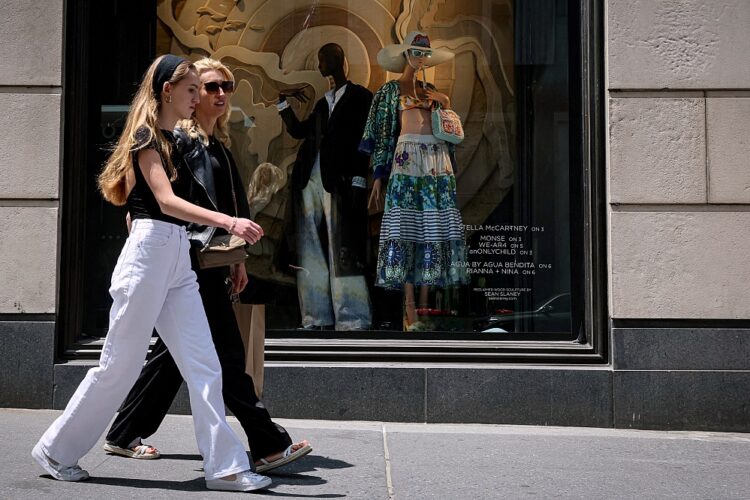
x=421, y=236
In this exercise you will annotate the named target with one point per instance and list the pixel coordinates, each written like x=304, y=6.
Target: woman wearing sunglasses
x=421, y=236
x=153, y=286
x=207, y=139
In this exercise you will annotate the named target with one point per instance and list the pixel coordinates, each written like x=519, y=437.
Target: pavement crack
x=387, y=457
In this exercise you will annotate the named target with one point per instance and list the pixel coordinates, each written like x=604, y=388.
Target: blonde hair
x=221, y=130
x=144, y=114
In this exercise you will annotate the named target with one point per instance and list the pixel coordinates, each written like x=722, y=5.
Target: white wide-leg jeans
x=152, y=285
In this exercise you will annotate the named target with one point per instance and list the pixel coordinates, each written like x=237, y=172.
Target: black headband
x=164, y=71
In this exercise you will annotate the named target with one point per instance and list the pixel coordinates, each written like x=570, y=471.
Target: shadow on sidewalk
x=198, y=484
x=305, y=464
x=313, y=462
x=297, y=474
x=293, y=474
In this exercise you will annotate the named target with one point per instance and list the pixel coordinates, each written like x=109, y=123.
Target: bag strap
x=231, y=179
x=233, y=297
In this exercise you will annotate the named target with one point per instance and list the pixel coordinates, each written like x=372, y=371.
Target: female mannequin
x=421, y=239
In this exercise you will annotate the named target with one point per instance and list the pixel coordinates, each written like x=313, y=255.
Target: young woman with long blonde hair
x=207, y=139
x=153, y=286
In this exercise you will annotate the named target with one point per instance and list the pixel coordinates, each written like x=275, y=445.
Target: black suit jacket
x=337, y=138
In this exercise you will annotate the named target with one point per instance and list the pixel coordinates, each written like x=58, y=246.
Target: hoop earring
x=169, y=99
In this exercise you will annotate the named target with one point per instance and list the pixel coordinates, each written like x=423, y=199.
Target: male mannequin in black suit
x=329, y=186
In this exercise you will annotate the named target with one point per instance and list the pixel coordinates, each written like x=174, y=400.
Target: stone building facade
x=673, y=112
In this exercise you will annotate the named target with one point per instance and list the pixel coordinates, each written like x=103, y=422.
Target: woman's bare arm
x=174, y=206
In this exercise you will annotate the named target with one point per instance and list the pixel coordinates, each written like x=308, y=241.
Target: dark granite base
x=680, y=400
x=549, y=396
x=28, y=349
x=394, y=395
x=67, y=378
x=565, y=396
x=681, y=349
x=69, y=375
x=346, y=393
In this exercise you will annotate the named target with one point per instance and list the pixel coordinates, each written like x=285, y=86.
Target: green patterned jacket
x=383, y=128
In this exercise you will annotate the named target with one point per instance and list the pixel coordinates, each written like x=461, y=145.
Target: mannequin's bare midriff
x=416, y=119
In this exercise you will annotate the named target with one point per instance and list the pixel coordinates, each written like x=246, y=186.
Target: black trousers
x=150, y=398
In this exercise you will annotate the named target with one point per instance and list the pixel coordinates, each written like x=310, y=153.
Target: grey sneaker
x=245, y=481
x=60, y=472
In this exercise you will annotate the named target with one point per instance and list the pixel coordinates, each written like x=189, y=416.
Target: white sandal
x=286, y=457
x=139, y=452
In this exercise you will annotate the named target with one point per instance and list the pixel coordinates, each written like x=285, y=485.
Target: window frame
x=590, y=346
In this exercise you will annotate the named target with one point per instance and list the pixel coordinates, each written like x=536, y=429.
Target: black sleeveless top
x=141, y=202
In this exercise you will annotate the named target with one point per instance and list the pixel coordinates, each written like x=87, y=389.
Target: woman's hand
x=238, y=275
x=375, y=195
x=246, y=229
x=439, y=97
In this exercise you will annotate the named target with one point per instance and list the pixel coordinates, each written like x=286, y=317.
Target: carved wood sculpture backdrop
x=272, y=44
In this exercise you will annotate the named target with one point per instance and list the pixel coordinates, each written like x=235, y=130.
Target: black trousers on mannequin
x=150, y=398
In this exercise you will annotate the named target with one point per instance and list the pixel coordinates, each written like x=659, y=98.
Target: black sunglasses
x=213, y=87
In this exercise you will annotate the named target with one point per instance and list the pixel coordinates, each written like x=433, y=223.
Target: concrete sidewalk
x=370, y=460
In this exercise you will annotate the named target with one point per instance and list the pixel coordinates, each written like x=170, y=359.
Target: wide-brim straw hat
x=391, y=57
